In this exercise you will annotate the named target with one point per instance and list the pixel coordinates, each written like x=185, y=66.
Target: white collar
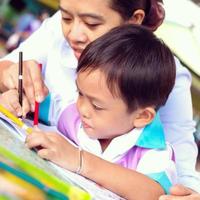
x=115, y=150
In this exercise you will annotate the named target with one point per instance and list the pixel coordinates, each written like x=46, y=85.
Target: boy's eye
x=97, y=107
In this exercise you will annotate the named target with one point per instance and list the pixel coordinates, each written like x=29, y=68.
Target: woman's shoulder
x=55, y=18
x=181, y=71
x=53, y=26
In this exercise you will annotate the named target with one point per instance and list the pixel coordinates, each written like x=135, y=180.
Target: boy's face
x=103, y=116
x=83, y=21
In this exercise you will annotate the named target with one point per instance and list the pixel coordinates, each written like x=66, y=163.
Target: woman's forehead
x=91, y=6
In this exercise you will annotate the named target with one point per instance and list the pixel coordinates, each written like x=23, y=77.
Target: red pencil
x=37, y=105
x=36, y=114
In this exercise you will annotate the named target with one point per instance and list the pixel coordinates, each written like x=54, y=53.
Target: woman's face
x=85, y=20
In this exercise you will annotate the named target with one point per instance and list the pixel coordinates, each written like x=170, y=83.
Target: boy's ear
x=137, y=17
x=145, y=116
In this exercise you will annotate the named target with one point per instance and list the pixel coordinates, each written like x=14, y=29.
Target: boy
x=122, y=79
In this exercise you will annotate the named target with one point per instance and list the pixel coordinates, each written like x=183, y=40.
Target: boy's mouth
x=85, y=125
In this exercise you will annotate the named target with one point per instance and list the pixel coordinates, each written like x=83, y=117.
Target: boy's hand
x=33, y=84
x=10, y=100
x=55, y=148
x=179, y=192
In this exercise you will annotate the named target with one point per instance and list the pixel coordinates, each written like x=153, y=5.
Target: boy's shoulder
x=69, y=121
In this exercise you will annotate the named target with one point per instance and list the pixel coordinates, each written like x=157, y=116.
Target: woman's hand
x=54, y=147
x=10, y=100
x=33, y=85
x=179, y=192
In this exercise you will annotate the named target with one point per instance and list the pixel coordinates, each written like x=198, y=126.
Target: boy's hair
x=138, y=66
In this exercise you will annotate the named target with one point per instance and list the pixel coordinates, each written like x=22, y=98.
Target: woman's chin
x=77, y=54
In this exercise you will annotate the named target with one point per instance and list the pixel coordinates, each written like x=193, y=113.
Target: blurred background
x=20, y=18
x=180, y=31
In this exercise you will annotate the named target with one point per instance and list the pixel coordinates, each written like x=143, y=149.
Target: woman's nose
x=77, y=33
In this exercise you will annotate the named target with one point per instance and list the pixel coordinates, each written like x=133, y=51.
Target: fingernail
x=24, y=115
x=162, y=198
x=19, y=113
x=39, y=98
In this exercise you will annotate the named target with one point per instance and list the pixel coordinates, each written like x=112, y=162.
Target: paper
x=19, y=132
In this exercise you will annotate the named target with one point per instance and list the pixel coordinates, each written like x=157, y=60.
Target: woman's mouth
x=77, y=52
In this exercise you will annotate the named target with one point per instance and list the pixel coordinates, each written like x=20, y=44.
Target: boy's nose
x=83, y=108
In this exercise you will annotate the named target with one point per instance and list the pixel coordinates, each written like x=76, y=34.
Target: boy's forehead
x=94, y=75
x=96, y=81
x=92, y=81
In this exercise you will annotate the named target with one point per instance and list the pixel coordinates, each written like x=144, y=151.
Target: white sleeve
x=37, y=45
x=159, y=165
x=177, y=118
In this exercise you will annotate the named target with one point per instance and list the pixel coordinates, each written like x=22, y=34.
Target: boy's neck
x=104, y=143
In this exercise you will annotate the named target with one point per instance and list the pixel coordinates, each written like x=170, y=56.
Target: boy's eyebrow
x=98, y=17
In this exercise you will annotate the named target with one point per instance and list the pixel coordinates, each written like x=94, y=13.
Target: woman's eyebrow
x=63, y=10
x=91, y=15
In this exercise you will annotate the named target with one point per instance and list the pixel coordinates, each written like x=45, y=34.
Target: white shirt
x=49, y=47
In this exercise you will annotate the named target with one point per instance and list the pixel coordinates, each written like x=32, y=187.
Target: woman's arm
x=178, y=192
x=5, y=83
x=32, y=80
x=177, y=118
x=35, y=50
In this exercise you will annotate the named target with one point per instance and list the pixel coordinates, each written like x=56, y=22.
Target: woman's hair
x=154, y=11
x=139, y=68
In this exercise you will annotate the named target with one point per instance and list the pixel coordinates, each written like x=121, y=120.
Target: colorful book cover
x=26, y=181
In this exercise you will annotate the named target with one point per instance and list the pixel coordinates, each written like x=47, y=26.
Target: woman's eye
x=92, y=25
x=66, y=19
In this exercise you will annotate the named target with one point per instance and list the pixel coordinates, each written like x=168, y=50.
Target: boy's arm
x=125, y=182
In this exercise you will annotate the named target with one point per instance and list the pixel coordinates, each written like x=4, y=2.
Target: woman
x=80, y=22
